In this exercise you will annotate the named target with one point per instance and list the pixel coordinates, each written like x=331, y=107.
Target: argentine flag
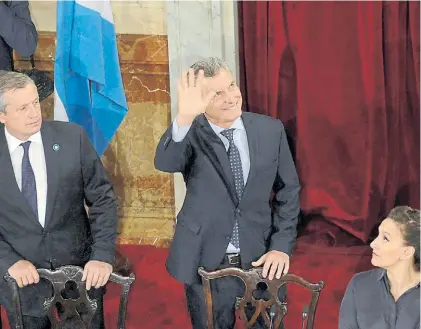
x=87, y=80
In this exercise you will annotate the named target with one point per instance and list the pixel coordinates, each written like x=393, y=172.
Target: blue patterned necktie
x=237, y=171
x=29, y=187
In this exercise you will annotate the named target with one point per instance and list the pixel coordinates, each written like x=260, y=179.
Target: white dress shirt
x=240, y=140
x=37, y=160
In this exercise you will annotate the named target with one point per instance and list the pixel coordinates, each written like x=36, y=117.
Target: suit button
x=238, y=211
x=228, y=237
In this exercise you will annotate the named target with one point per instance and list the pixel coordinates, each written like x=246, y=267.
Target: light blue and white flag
x=88, y=86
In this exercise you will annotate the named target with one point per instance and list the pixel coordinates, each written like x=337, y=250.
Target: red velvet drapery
x=344, y=79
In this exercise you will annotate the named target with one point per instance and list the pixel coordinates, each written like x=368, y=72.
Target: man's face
x=22, y=116
x=225, y=107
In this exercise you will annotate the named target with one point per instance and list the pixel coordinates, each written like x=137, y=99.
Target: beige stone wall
x=145, y=196
x=130, y=17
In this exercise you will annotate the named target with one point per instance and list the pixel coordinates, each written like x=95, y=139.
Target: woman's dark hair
x=409, y=220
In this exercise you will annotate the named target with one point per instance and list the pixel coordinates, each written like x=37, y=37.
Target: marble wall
x=130, y=17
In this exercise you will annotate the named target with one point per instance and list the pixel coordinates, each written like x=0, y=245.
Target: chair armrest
x=121, y=264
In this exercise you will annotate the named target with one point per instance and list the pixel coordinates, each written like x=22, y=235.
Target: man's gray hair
x=10, y=80
x=210, y=66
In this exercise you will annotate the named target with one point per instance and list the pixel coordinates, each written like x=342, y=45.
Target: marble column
x=196, y=30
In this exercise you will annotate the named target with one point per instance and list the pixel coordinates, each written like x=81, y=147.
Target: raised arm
x=174, y=150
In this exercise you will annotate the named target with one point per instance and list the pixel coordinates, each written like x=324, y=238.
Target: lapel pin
x=56, y=147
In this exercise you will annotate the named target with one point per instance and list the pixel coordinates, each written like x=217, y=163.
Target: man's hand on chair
x=96, y=274
x=276, y=261
x=24, y=273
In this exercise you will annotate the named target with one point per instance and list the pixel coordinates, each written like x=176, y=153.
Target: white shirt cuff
x=178, y=133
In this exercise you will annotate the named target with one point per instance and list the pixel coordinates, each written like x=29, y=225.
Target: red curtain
x=344, y=79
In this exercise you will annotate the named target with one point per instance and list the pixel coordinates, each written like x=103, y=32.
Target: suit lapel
x=213, y=147
x=253, y=143
x=52, y=164
x=8, y=179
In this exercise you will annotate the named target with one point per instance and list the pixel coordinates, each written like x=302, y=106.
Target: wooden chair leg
x=209, y=302
x=15, y=301
x=125, y=282
x=123, y=306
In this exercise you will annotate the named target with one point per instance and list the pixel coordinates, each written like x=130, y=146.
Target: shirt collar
x=382, y=275
x=238, y=124
x=13, y=143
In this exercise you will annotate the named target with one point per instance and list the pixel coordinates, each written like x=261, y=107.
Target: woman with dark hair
x=388, y=297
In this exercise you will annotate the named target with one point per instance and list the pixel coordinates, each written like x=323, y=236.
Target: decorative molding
x=145, y=54
x=157, y=242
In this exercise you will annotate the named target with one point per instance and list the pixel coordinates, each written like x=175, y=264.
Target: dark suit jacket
x=17, y=31
x=206, y=220
x=70, y=237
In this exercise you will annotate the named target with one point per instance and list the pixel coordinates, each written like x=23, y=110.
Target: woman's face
x=389, y=247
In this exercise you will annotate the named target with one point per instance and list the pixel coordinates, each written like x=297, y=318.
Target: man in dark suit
x=48, y=171
x=17, y=32
x=231, y=162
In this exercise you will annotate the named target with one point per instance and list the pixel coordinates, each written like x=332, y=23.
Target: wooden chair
x=122, y=275
x=271, y=310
